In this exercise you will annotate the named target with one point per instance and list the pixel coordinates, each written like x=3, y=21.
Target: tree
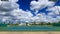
x=26, y=23
x=42, y=23
x=4, y=0
x=54, y=0
x=48, y=23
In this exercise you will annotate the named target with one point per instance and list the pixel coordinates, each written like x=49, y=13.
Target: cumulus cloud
x=13, y=1
x=45, y=18
x=40, y=4
x=6, y=7
x=10, y=12
x=55, y=10
x=22, y=15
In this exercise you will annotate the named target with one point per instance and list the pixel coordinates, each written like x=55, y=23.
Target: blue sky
x=29, y=10
x=25, y=4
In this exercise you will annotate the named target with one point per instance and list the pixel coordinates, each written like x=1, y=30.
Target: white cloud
x=54, y=10
x=22, y=15
x=8, y=6
x=40, y=4
x=9, y=1
x=13, y=1
x=10, y=12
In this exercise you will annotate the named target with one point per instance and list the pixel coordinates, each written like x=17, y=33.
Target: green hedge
x=56, y=24
x=3, y=25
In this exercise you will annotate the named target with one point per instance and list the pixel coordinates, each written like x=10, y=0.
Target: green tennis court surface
x=30, y=28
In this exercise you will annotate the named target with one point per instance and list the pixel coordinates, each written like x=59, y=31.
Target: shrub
x=3, y=25
x=56, y=24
